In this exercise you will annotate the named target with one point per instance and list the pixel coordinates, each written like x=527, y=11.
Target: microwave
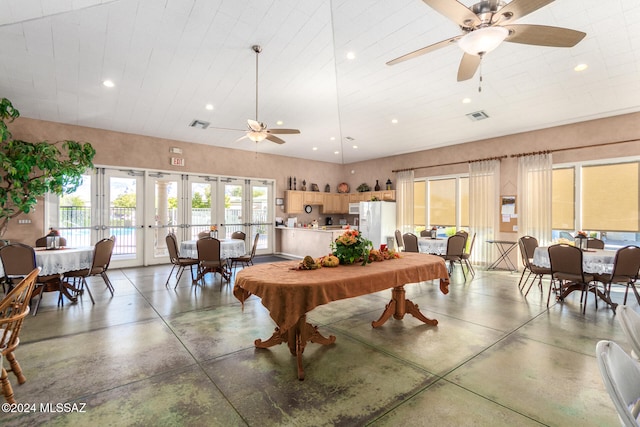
x=354, y=208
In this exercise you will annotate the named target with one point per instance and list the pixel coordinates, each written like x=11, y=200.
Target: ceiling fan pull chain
x=480, y=77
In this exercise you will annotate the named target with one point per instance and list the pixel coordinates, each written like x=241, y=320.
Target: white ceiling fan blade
x=455, y=11
x=241, y=138
x=543, y=35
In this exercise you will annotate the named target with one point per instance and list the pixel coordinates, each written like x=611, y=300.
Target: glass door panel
x=201, y=213
x=233, y=207
x=122, y=216
x=73, y=216
x=164, y=214
x=261, y=216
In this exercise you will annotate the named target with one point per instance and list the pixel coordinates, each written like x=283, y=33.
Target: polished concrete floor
x=152, y=356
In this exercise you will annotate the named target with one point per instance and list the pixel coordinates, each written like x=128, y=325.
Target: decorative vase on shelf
x=377, y=187
x=388, y=184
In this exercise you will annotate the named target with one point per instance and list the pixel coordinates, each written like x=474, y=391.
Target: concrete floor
x=164, y=357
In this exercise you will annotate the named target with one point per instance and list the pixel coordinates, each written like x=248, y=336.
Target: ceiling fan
x=258, y=131
x=487, y=24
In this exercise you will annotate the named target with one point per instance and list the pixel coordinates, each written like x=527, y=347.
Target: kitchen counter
x=300, y=241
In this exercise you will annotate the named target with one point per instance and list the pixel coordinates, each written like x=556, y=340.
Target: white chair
x=621, y=377
x=630, y=322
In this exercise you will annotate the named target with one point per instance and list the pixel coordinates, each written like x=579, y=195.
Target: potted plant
x=28, y=170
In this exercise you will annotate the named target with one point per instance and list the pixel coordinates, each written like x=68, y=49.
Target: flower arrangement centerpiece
x=352, y=247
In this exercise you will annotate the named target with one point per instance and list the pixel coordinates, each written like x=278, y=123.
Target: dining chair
x=625, y=271
x=209, y=260
x=566, y=266
x=42, y=242
x=425, y=233
x=593, y=243
x=528, y=245
x=629, y=320
x=410, y=241
x=399, y=241
x=14, y=307
x=180, y=262
x=465, y=234
x=19, y=260
x=102, y=252
x=466, y=256
x=203, y=234
x=238, y=235
x=455, y=249
x=245, y=260
x=621, y=377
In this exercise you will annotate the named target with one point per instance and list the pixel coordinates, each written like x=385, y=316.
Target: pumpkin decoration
x=330, y=261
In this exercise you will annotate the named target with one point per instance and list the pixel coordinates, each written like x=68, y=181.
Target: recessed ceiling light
x=336, y=152
x=315, y=148
x=394, y=121
x=581, y=67
x=279, y=122
x=333, y=138
x=351, y=55
x=466, y=100
x=108, y=83
x=209, y=107
x=355, y=146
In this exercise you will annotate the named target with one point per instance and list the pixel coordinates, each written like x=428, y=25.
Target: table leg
x=504, y=257
x=567, y=289
x=296, y=338
x=399, y=306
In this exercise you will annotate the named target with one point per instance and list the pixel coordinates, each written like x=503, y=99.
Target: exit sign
x=177, y=161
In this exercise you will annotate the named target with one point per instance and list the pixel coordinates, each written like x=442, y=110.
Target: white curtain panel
x=404, y=201
x=534, y=197
x=484, y=189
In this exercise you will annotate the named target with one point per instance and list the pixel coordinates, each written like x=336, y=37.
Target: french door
x=139, y=208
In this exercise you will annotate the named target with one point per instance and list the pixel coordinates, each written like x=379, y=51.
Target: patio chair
x=630, y=322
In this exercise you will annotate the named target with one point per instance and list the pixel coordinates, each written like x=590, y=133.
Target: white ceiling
x=169, y=58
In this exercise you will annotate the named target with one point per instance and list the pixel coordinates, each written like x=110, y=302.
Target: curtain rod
x=450, y=164
x=604, y=144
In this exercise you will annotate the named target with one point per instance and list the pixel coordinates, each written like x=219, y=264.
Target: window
x=441, y=202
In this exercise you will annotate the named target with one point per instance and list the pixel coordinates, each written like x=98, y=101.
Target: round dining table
x=59, y=261
x=229, y=248
x=594, y=261
x=427, y=245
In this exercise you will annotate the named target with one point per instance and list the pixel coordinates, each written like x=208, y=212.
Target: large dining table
x=229, y=248
x=427, y=245
x=289, y=294
x=60, y=261
x=594, y=261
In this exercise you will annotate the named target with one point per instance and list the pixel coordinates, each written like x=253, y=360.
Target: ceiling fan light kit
x=483, y=40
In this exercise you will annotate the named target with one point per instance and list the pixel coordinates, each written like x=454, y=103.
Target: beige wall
x=135, y=151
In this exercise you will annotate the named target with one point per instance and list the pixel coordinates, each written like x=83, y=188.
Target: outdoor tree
x=29, y=170
x=125, y=200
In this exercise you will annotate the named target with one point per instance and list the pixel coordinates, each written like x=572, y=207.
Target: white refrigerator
x=377, y=221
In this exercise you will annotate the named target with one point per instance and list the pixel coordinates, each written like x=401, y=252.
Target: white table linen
x=60, y=261
x=427, y=245
x=229, y=248
x=598, y=261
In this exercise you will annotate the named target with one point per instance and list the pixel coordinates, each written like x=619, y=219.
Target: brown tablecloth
x=289, y=294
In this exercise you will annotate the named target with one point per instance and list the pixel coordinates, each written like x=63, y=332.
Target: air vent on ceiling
x=348, y=138
x=478, y=115
x=200, y=124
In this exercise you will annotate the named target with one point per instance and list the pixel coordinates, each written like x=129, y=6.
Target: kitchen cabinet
x=294, y=201
x=335, y=203
x=313, y=197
